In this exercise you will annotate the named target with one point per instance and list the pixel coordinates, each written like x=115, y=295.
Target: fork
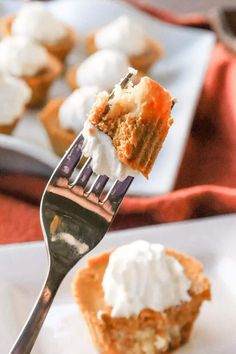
x=73, y=220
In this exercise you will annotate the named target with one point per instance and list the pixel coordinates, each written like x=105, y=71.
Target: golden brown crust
x=59, y=137
x=137, y=123
x=41, y=82
x=144, y=61
x=90, y=43
x=141, y=62
x=60, y=49
x=9, y=127
x=112, y=335
x=64, y=47
x=71, y=77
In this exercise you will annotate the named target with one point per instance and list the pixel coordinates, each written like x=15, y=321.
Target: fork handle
x=30, y=331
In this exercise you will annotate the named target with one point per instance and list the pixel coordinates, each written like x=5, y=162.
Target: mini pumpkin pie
x=14, y=96
x=129, y=127
x=37, y=23
x=25, y=59
x=103, y=69
x=63, y=118
x=127, y=36
x=141, y=298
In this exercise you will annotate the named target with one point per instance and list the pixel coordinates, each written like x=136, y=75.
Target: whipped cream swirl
x=123, y=34
x=142, y=276
x=103, y=69
x=37, y=22
x=98, y=145
x=19, y=56
x=74, y=110
x=14, y=95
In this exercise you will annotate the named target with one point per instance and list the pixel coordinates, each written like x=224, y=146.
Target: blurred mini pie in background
x=103, y=69
x=14, y=96
x=63, y=118
x=28, y=60
x=141, y=298
x=127, y=36
x=36, y=22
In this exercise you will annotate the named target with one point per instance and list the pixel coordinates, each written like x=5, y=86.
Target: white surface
x=181, y=71
x=212, y=241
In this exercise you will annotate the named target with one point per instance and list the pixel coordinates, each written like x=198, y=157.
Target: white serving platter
x=211, y=240
x=181, y=70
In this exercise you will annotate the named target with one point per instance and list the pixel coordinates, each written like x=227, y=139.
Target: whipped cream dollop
x=123, y=34
x=74, y=110
x=142, y=276
x=105, y=68
x=35, y=21
x=98, y=145
x=20, y=56
x=14, y=95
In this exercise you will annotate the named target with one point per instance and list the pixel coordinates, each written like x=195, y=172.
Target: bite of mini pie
x=14, y=97
x=36, y=22
x=140, y=298
x=134, y=122
x=118, y=140
x=127, y=36
x=25, y=59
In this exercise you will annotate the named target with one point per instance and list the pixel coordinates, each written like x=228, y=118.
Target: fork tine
x=117, y=192
x=70, y=160
x=98, y=186
x=83, y=176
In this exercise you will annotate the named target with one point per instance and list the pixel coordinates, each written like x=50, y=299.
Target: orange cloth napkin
x=207, y=177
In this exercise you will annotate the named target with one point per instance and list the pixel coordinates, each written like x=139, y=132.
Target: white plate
x=181, y=71
x=23, y=267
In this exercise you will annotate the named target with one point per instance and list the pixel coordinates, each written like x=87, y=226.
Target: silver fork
x=74, y=220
